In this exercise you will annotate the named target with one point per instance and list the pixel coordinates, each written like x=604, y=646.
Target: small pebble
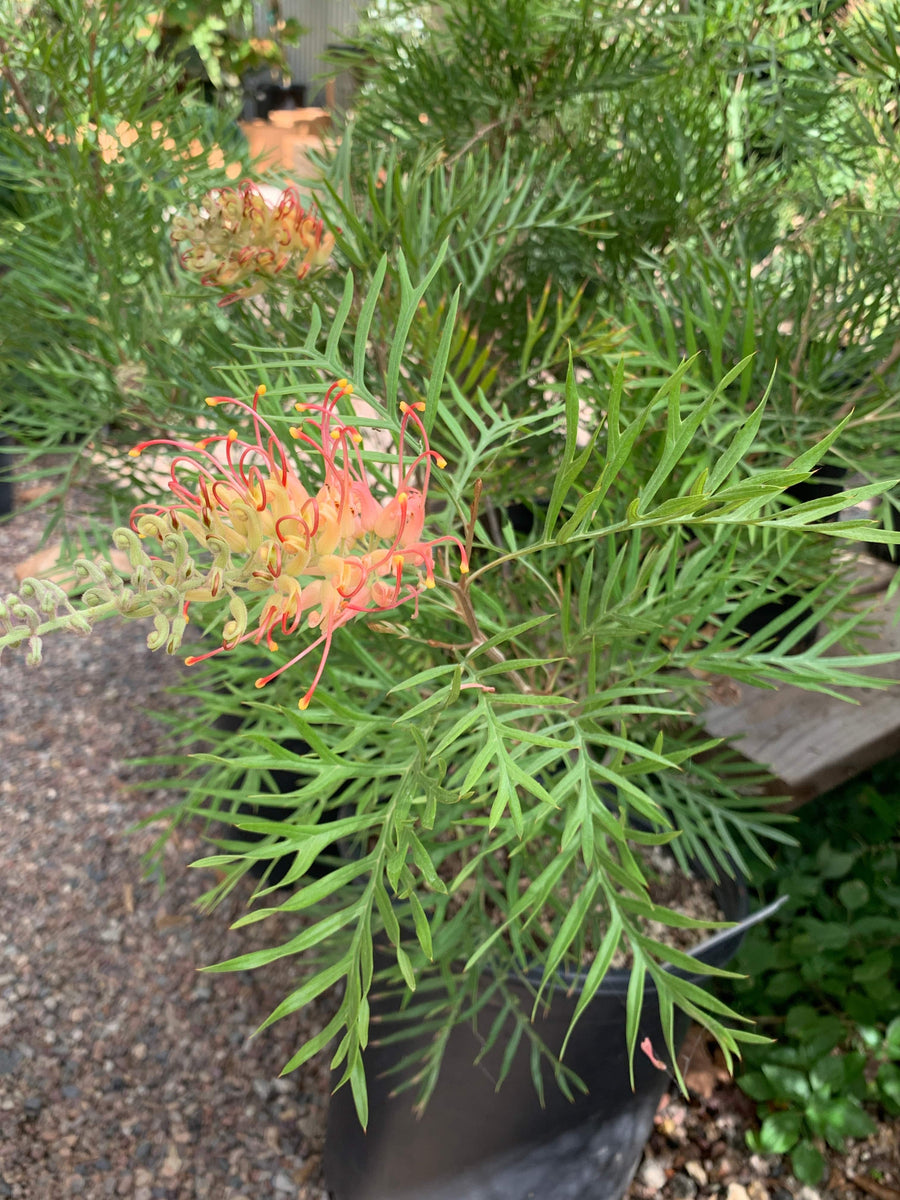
x=652, y=1174
x=697, y=1172
x=9, y=1060
x=172, y=1164
x=681, y=1187
x=737, y=1191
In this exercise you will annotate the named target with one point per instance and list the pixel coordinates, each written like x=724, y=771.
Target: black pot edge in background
x=6, y=483
x=831, y=481
x=273, y=870
x=477, y=1143
x=266, y=96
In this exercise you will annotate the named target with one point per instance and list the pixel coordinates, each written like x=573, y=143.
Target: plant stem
x=16, y=88
x=467, y=612
x=18, y=634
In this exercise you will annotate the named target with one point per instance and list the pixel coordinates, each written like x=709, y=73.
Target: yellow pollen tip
x=232, y=435
x=419, y=406
x=404, y=407
x=134, y=453
x=212, y=401
x=397, y=562
x=261, y=390
x=200, y=445
x=429, y=583
x=335, y=434
x=463, y=568
x=303, y=703
x=190, y=660
x=343, y=383
x=258, y=683
x=273, y=646
x=402, y=497
x=357, y=439
x=441, y=462
x=294, y=431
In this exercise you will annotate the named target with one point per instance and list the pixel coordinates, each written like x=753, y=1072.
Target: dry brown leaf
x=43, y=564
x=170, y=921
x=701, y=1072
x=39, y=563
x=26, y=493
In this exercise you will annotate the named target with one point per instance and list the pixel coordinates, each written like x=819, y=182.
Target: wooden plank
x=811, y=742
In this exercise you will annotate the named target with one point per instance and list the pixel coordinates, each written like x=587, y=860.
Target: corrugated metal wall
x=328, y=22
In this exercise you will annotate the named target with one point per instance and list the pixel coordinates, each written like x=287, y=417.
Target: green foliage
x=824, y=974
x=621, y=259
x=741, y=171
x=478, y=775
x=99, y=148
x=212, y=39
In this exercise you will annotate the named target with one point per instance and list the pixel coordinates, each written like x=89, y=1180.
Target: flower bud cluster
x=156, y=590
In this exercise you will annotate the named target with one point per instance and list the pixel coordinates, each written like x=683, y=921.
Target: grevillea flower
x=237, y=237
x=319, y=553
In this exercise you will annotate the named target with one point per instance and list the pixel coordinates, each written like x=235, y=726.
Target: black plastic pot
x=6, y=485
x=269, y=97
x=475, y=1143
x=829, y=481
x=769, y=611
x=889, y=506
x=885, y=510
x=275, y=868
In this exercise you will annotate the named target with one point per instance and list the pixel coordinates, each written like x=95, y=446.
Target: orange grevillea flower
x=237, y=239
x=320, y=553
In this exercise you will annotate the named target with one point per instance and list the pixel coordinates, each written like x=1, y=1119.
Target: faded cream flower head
x=237, y=240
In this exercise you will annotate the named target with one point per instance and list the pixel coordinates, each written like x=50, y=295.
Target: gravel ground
x=124, y=1072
